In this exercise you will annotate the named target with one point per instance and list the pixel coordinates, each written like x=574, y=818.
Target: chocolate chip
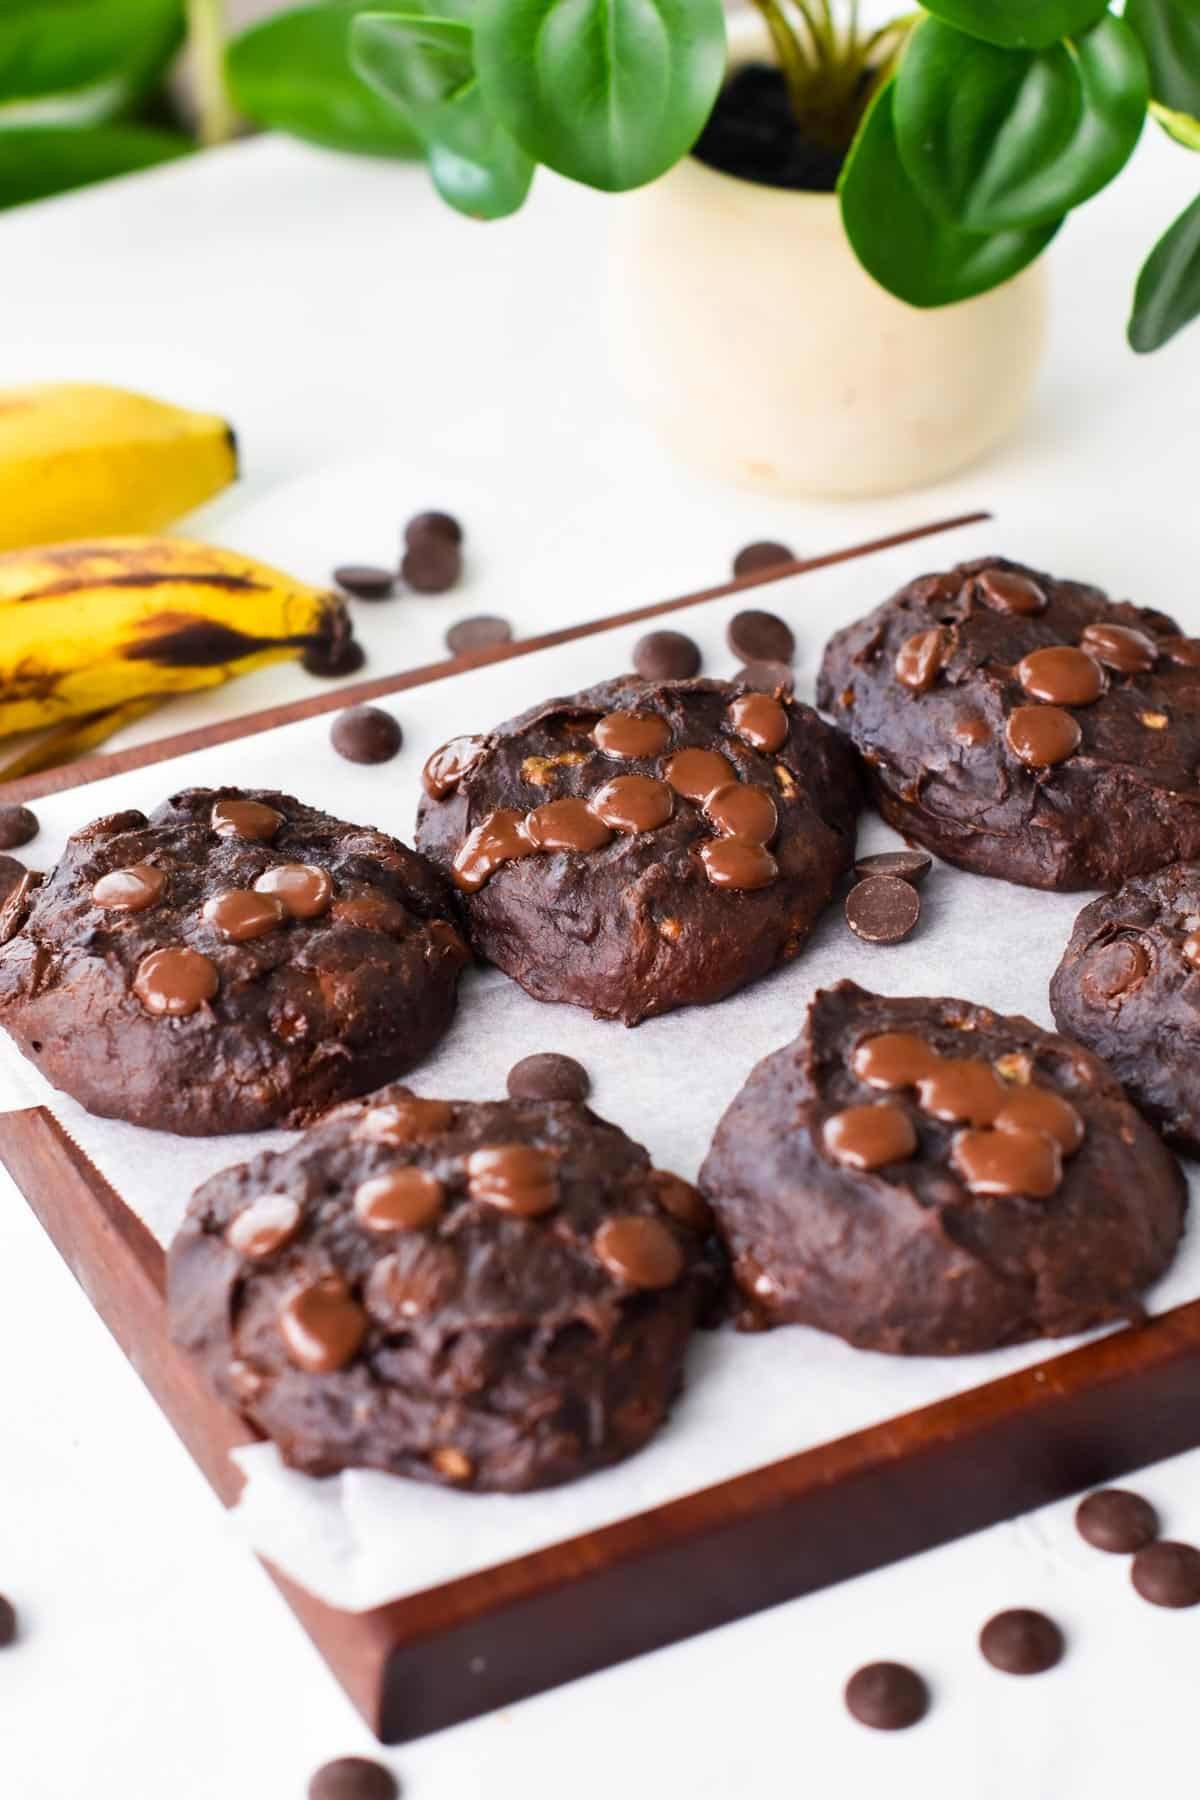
x=666, y=656
x=433, y=524
x=344, y=657
x=548, y=1076
x=17, y=826
x=1021, y=1642
x=887, y=1696
x=767, y=677
x=760, y=637
x=1115, y=1520
x=907, y=865
x=763, y=555
x=11, y=873
x=639, y=1252
x=353, y=1778
x=8, y=1622
x=432, y=564
x=1113, y=968
x=364, y=581
x=366, y=734
x=1167, y=1574
x=883, y=909
x=479, y=633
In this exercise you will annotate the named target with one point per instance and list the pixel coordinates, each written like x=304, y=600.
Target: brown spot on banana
x=140, y=578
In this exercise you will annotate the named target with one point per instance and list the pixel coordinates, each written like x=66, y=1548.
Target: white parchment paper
x=364, y=1538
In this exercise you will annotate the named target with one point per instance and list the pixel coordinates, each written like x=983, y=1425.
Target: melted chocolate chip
x=568, y=824
x=248, y=819
x=264, y=1226
x=129, y=890
x=497, y=839
x=405, y=1121
x=921, y=658
x=1183, y=651
x=698, y=773
x=175, y=982
x=1120, y=647
x=514, y=1178
x=1061, y=675
x=1021, y=1642
x=633, y=803
x=481, y=632
x=1009, y=592
x=413, y=1282
x=628, y=736
x=303, y=890
x=1167, y=1574
x=322, y=1326
x=1191, y=949
x=1115, y=1520
x=962, y=1091
x=870, y=1137
x=239, y=914
x=641, y=1252
x=1003, y=1163
x=739, y=810
x=762, y=555
x=548, y=1076
x=681, y=1200
x=883, y=909
x=887, y=1696
x=371, y=912
x=894, y=1059
x=666, y=656
x=1041, y=736
x=447, y=766
x=366, y=734
x=1112, y=969
x=730, y=863
x=756, y=636
x=760, y=721
x=1038, y=1109
x=17, y=826
x=399, y=1200
x=971, y=730
x=906, y=865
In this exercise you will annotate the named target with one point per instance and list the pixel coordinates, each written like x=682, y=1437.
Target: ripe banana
x=76, y=460
x=86, y=627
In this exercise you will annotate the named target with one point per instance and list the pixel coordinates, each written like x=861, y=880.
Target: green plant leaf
x=39, y=160
x=425, y=65
x=902, y=242
x=1019, y=24
x=293, y=73
x=1168, y=290
x=1170, y=34
x=75, y=62
x=999, y=140
x=1178, y=125
x=609, y=92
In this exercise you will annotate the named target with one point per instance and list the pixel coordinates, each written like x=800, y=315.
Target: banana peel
x=74, y=738
x=78, y=459
x=86, y=627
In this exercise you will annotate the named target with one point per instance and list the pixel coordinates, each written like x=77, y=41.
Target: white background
x=336, y=313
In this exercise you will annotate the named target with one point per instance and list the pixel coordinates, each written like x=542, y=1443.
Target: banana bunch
x=93, y=628
x=76, y=459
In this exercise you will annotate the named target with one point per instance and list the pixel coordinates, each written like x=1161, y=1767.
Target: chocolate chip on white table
x=433, y=525
x=353, y=1778
x=479, y=633
x=1116, y=1520
x=18, y=826
x=366, y=734
x=883, y=909
x=907, y=865
x=756, y=636
x=666, y=656
x=365, y=581
x=1021, y=1641
x=887, y=1696
x=548, y=1076
x=761, y=555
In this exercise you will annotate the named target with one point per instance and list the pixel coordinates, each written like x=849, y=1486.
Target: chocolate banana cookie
x=925, y=1176
x=644, y=845
x=1128, y=987
x=235, y=961
x=1023, y=726
x=483, y=1295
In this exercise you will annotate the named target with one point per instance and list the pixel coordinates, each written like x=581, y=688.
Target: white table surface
x=342, y=318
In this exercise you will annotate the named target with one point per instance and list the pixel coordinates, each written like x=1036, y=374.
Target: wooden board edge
x=486, y=1640
x=97, y=767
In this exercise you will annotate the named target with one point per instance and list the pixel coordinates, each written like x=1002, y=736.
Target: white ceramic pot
x=759, y=349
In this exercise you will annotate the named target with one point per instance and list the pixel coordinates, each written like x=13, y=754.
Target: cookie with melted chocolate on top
x=1024, y=726
x=237, y=960
x=928, y=1177
x=644, y=845
x=1128, y=987
x=485, y=1295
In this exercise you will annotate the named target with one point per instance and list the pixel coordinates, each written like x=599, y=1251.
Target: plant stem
x=792, y=63
x=217, y=120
